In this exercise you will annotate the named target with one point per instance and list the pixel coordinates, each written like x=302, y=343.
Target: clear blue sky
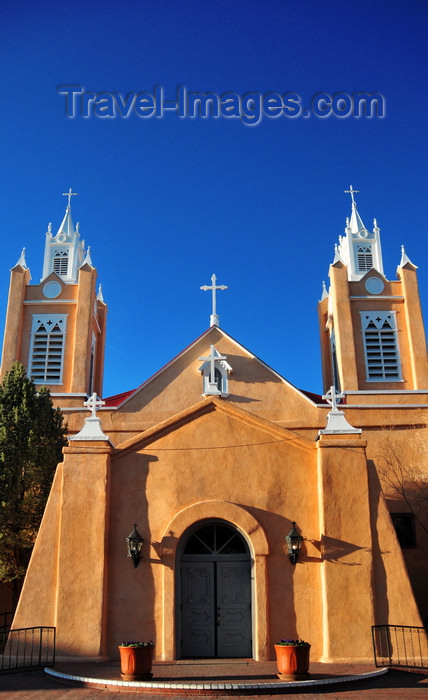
x=165, y=202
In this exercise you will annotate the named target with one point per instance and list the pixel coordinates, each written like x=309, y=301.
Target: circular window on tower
x=374, y=285
x=52, y=289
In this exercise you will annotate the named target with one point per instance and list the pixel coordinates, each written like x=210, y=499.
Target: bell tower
x=64, y=252
x=56, y=328
x=360, y=249
x=372, y=332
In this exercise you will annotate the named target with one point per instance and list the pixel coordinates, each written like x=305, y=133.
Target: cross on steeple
x=93, y=403
x=69, y=194
x=351, y=191
x=214, y=321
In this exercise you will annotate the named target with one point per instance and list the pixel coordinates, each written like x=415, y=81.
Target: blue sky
x=165, y=202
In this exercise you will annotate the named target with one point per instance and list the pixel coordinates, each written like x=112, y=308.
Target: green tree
x=32, y=435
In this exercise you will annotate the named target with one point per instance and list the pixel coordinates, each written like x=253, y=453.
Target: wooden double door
x=215, y=594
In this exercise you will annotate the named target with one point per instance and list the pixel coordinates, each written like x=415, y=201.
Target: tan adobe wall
x=219, y=461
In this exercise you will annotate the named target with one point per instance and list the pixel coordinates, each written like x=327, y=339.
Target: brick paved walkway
x=395, y=685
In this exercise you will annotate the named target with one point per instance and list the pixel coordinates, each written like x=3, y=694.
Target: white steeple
x=64, y=252
x=67, y=223
x=360, y=248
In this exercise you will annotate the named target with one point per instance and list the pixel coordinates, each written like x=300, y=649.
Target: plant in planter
x=292, y=659
x=136, y=660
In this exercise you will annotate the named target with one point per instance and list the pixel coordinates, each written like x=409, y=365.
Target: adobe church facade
x=214, y=458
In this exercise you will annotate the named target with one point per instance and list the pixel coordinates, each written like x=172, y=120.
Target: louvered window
x=381, y=347
x=60, y=262
x=47, y=348
x=365, y=258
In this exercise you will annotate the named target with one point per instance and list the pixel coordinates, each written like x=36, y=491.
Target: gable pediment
x=373, y=273
x=178, y=386
x=225, y=423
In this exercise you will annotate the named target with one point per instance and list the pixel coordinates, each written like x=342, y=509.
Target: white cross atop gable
x=214, y=320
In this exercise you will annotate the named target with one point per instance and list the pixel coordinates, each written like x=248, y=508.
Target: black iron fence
x=28, y=648
x=397, y=645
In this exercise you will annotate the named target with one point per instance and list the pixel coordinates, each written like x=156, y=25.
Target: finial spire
x=214, y=320
x=87, y=260
x=69, y=194
x=351, y=191
x=324, y=291
x=405, y=258
x=336, y=254
x=22, y=262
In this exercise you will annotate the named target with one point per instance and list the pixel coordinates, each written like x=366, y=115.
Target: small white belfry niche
x=215, y=371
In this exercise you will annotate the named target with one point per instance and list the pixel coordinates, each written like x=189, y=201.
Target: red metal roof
x=118, y=398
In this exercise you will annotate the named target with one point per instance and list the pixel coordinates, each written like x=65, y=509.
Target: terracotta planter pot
x=136, y=663
x=292, y=661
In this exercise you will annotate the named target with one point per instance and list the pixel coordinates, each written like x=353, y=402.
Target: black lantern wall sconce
x=294, y=543
x=134, y=543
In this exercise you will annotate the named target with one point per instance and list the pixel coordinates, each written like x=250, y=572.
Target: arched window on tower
x=60, y=262
x=334, y=365
x=92, y=366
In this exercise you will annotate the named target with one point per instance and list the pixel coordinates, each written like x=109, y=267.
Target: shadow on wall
x=130, y=602
x=334, y=550
x=381, y=606
x=280, y=573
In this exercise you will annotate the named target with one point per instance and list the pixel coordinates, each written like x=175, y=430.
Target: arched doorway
x=214, y=593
